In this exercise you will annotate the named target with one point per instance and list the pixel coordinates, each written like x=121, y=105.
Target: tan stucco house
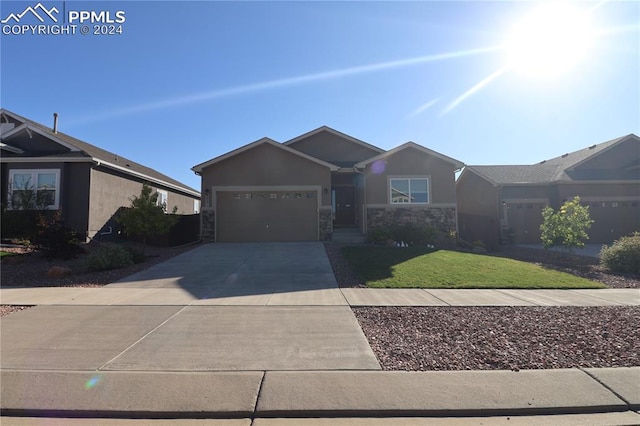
x=87, y=183
x=503, y=204
x=302, y=189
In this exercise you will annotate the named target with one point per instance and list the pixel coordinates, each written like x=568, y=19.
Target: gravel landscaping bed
x=7, y=309
x=500, y=338
x=30, y=269
x=582, y=266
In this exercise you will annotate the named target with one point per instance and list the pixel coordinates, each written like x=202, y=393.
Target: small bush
x=136, y=255
x=379, y=236
x=479, y=243
x=18, y=224
x=414, y=235
x=623, y=255
x=108, y=256
x=54, y=239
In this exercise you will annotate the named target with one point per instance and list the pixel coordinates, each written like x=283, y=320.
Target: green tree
x=566, y=228
x=145, y=218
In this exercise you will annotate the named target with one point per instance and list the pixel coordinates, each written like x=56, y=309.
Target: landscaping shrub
x=108, y=256
x=54, y=239
x=414, y=235
x=18, y=224
x=137, y=256
x=566, y=228
x=623, y=255
x=379, y=236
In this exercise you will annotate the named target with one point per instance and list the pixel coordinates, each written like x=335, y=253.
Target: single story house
x=502, y=204
x=302, y=189
x=87, y=183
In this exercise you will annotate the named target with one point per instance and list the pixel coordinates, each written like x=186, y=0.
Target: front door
x=344, y=204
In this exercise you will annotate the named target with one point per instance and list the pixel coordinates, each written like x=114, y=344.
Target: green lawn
x=6, y=254
x=391, y=267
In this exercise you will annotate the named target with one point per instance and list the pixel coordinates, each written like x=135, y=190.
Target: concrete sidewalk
x=265, y=332
x=287, y=394
x=305, y=296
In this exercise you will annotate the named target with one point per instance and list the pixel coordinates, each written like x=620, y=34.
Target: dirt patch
x=500, y=338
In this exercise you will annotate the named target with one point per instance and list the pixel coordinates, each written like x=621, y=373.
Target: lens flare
x=378, y=167
x=94, y=380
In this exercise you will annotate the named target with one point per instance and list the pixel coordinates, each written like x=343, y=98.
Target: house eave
x=336, y=133
x=146, y=177
x=199, y=167
x=98, y=162
x=457, y=164
x=10, y=148
x=46, y=160
x=46, y=134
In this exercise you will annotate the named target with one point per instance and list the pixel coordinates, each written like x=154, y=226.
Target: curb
x=303, y=394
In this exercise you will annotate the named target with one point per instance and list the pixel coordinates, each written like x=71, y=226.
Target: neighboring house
x=501, y=204
x=87, y=183
x=301, y=189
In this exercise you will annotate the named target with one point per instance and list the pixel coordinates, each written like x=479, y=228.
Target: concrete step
x=348, y=236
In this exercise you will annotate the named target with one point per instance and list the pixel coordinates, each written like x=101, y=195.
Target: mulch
x=30, y=268
x=502, y=338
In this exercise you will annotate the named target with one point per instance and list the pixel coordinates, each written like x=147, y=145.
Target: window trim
x=163, y=195
x=34, y=178
x=409, y=179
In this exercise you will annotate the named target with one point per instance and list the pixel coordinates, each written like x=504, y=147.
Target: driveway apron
x=255, y=306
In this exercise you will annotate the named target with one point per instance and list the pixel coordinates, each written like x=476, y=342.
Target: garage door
x=524, y=221
x=267, y=216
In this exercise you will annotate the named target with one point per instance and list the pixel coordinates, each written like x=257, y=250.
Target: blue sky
x=188, y=81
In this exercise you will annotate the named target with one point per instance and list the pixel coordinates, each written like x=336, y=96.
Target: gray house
x=498, y=204
x=87, y=183
x=303, y=189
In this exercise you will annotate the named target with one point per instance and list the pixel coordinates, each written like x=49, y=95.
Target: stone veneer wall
x=441, y=218
x=325, y=217
x=208, y=226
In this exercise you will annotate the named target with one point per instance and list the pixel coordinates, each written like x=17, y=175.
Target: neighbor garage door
x=267, y=216
x=525, y=220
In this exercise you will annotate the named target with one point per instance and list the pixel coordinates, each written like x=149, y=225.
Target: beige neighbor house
x=502, y=204
x=87, y=183
x=303, y=189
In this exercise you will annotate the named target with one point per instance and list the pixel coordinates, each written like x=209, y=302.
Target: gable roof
x=334, y=132
x=199, y=167
x=456, y=163
x=546, y=171
x=103, y=157
x=537, y=173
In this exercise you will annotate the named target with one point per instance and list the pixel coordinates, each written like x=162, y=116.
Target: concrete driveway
x=246, y=274
x=166, y=318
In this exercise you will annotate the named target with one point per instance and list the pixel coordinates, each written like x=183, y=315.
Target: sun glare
x=551, y=40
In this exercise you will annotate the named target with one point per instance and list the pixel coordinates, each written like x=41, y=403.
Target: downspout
x=364, y=200
x=455, y=193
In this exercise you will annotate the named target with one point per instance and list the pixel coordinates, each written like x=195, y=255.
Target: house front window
x=409, y=190
x=34, y=189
